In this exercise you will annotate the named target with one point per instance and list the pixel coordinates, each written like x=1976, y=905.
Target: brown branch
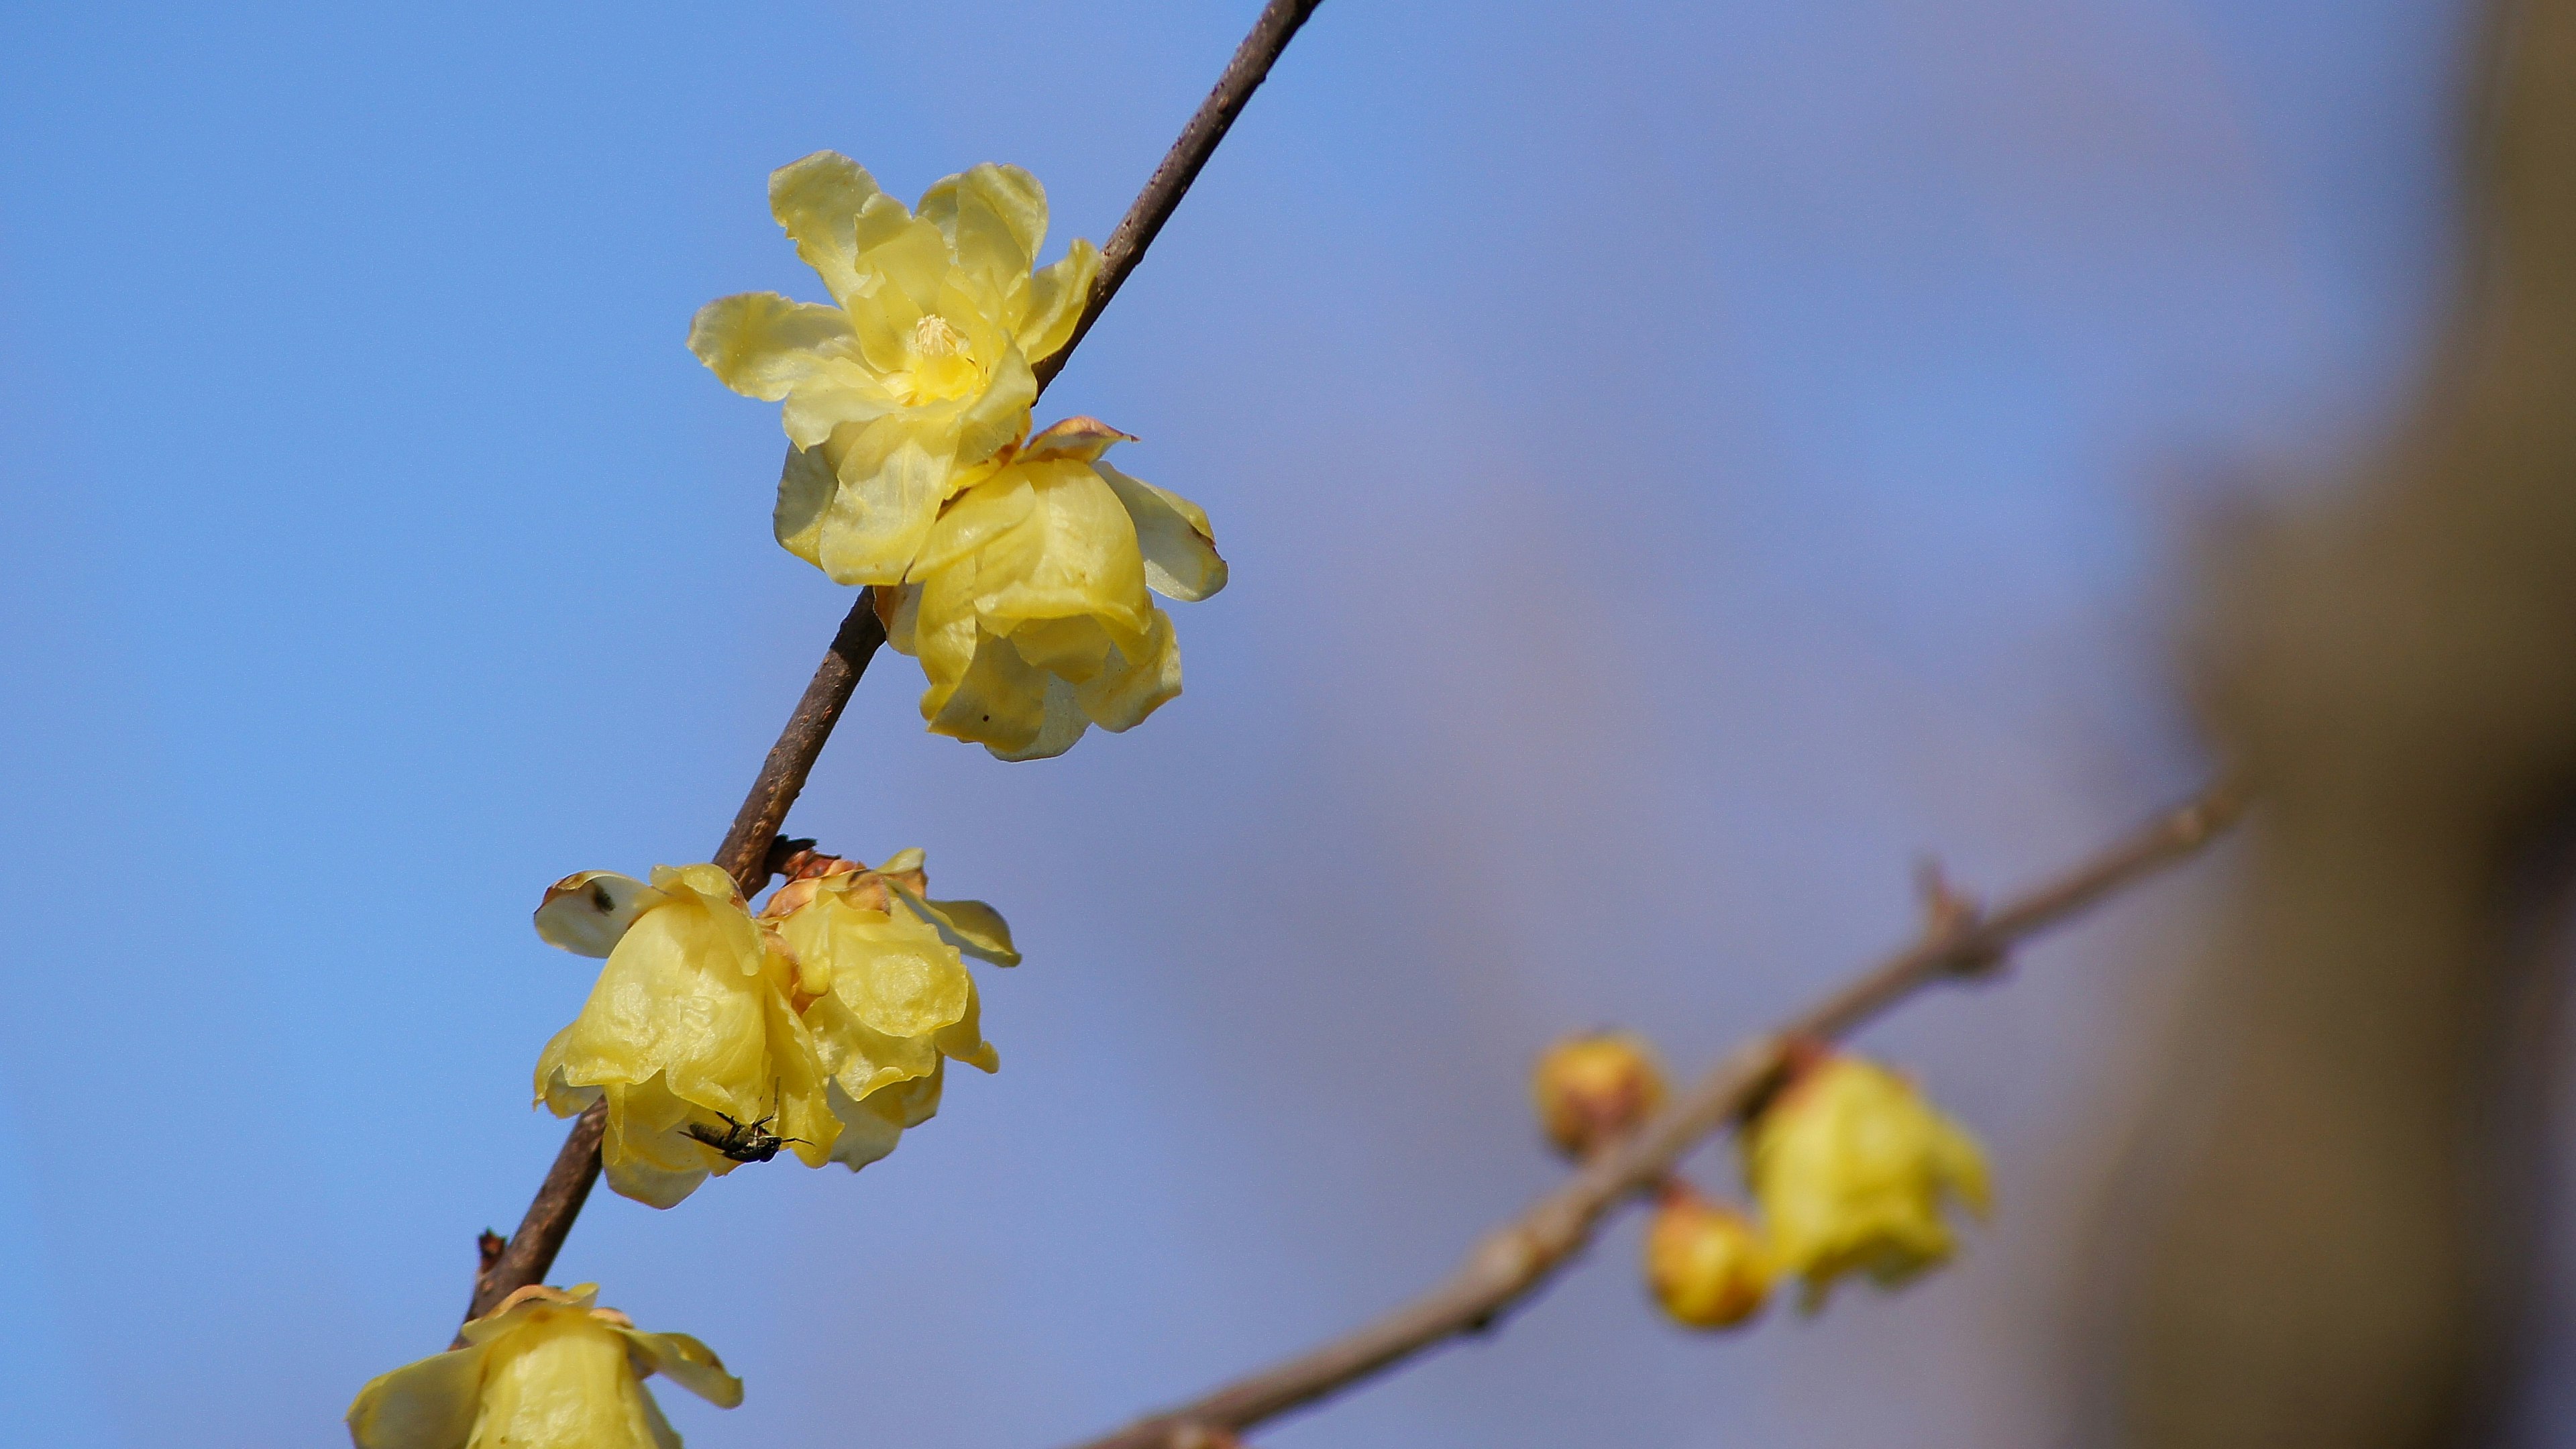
x=1171, y=180
x=1515, y=1258
x=746, y=849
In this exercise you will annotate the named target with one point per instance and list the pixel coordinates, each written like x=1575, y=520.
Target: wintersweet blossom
x=1706, y=1264
x=1029, y=604
x=819, y=1026
x=545, y=1370
x=691, y=1030
x=920, y=367
x=901, y=1003
x=1851, y=1167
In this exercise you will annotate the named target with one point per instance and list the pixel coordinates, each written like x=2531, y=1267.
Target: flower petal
x=971, y=926
x=686, y=1362
x=891, y=481
x=426, y=1405
x=587, y=911
x=1120, y=697
x=762, y=345
x=1000, y=702
x=1172, y=533
x=993, y=199
x=818, y=199
x=1061, y=729
x=1057, y=294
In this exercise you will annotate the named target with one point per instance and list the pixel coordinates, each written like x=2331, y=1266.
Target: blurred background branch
x=1510, y=1262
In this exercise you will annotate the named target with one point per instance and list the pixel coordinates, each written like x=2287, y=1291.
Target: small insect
x=742, y=1141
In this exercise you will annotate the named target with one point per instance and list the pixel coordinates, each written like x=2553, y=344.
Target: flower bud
x=1591, y=1088
x=1706, y=1263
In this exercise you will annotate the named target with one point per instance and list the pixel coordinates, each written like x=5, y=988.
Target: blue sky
x=1678, y=461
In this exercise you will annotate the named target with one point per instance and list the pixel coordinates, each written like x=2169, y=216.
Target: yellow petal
x=564, y=1379
x=891, y=480
x=1057, y=295
x=870, y=1127
x=971, y=926
x=686, y=1362
x=763, y=345
x=1172, y=533
x=1081, y=439
x=1000, y=414
x=1060, y=729
x=993, y=204
x=587, y=911
x=1000, y=702
x=805, y=488
x=819, y=200
x=426, y=1405
x=1119, y=697
x=1074, y=554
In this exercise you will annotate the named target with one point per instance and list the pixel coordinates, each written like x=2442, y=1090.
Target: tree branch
x=1515, y=1258
x=745, y=852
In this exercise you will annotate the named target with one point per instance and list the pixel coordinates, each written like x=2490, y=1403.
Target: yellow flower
x=1851, y=1166
x=691, y=1030
x=900, y=1001
x=919, y=369
x=1705, y=1263
x=1029, y=606
x=1590, y=1088
x=545, y=1370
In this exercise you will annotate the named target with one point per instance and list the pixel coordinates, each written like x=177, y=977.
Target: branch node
x=1951, y=918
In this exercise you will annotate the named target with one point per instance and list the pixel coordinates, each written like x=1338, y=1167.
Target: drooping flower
x=1706, y=1264
x=691, y=1033
x=1029, y=605
x=901, y=1003
x=718, y=1038
x=545, y=1370
x=1590, y=1088
x=919, y=369
x=1852, y=1167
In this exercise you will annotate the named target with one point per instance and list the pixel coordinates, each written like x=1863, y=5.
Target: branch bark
x=745, y=852
x=1514, y=1259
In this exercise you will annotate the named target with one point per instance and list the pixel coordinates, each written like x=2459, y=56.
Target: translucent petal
x=818, y=200
x=762, y=345
x=1119, y=697
x=426, y=1405
x=1082, y=439
x=1000, y=414
x=842, y=392
x=563, y=1379
x=1009, y=199
x=587, y=911
x=1061, y=728
x=999, y=702
x=805, y=489
x=870, y=1127
x=892, y=479
x=971, y=926
x=1057, y=295
x=1074, y=554
x=1172, y=533
x=690, y=1364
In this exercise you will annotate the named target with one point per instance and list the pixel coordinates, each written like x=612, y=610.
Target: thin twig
x=746, y=848
x=1515, y=1258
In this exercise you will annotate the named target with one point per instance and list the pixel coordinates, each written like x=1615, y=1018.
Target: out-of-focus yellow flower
x=920, y=368
x=1590, y=1088
x=692, y=1032
x=545, y=1370
x=1851, y=1166
x=1029, y=605
x=1705, y=1262
x=900, y=1002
